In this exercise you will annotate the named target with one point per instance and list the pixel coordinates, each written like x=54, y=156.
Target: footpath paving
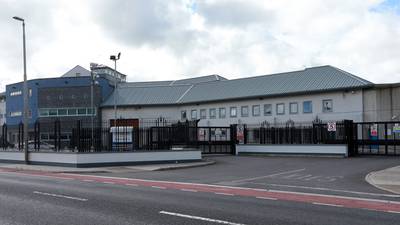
x=387, y=179
x=113, y=169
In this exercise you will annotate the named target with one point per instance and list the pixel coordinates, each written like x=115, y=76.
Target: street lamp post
x=115, y=58
x=93, y=76
x=91, y=106
x=25, y=92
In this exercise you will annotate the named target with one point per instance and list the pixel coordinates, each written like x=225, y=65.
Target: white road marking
x=60, y=196
x=133, y=185
x=329, y=189
x=199, y=218
x=66, y=178
x=222, y=193
x=393, y=211
x=243, y=188
x=189, y=190
x=88, y=180
x=108, y=182
x=158, y=187
x=326, y=204
x=270, y=175
x=267, y=198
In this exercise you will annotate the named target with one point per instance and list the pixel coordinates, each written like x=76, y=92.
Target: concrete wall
x=102, y=159
x=346, y=105
x=382, y=103
x=340, y=150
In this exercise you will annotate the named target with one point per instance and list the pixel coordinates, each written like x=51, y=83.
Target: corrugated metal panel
x=322, y=78
x=312, y=79
x=197, y=80
x=156, y=95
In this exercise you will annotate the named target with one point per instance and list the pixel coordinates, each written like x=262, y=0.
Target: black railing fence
x=378, y=138
x=313, y=133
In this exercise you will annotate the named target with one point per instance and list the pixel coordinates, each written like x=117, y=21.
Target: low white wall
x=102, y=159
x=293, y=149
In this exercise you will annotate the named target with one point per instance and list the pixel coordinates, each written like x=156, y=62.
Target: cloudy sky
x=175, y=39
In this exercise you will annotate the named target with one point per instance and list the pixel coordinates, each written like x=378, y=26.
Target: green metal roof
x=315, y=79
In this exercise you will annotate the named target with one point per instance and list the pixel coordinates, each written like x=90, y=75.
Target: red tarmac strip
x=349, y=202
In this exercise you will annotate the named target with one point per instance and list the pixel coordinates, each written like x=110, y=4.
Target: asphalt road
x=341, y=176
x=48, y=199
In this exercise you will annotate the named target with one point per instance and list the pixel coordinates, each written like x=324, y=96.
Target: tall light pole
x=115, y=58
x=25, y=92
x=93, y=76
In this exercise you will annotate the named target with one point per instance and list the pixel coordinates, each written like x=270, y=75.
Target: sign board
x=331, y=126
x=374, y=130
x=240, y=134
x=396, y=128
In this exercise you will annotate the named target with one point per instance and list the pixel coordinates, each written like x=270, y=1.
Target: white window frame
x=193, y=114
x=278, y=112
x=311, y=107
x=222, y=113
x=290, y=108
x=213, y=113
x=323, y=105
x=265, y=111
x=253, y=109
x=231, y=110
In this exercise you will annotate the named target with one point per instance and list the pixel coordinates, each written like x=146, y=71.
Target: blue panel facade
x=14, y=93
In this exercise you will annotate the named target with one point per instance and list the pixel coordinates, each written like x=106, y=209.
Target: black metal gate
x=377, y=138
x=210, y=140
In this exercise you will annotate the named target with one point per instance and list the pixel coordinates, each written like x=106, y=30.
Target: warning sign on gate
x=374, y=130
x=240, y=134
x=331, y=126
x=396, y=128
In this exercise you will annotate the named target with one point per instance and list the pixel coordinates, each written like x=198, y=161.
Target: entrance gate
x=210, y=140
x=377, y=138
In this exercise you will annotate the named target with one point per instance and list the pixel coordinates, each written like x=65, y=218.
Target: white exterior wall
x=149, y=112
x=346, y=105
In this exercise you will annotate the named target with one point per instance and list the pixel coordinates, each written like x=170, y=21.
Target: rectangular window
x=222, y=113
x=17, y=113
x=256, y=110
x=203, y=114
x=307, y=107
x=52, y=112
x=62, y=112
x=193, y=114
x=267, y=109
x=15, y=93
x=245, y=111
x=280, y=108
x=43, y=112
x=30, y=92
x=82, y=111
x=183, y=115
x=71, y=112
x=213, y=113
x=327, y=105
x=89, y=111
x=233, y=112
x=293, y=108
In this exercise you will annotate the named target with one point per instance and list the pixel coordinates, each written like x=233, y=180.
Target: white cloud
x=183, y=38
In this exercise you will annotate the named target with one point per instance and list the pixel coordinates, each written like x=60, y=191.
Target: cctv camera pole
x=115, y=58
x=25, y=92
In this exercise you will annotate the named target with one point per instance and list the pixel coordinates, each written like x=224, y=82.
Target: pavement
x=387, y=179
x=111, y=169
